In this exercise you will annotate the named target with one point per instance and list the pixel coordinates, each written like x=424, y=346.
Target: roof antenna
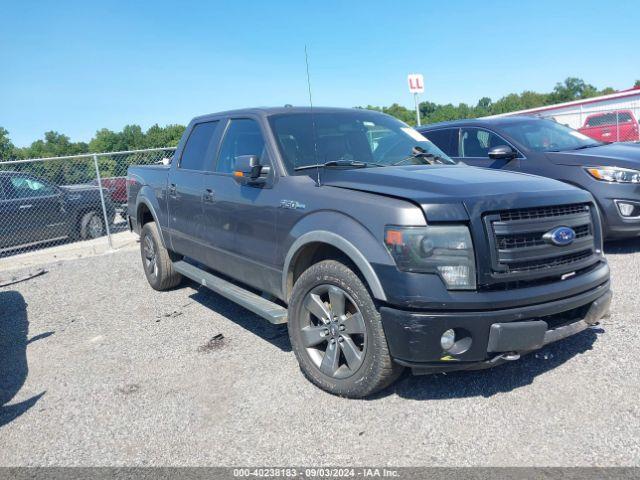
x=313, y=120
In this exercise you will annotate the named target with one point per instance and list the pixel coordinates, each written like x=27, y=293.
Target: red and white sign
x=416, y=83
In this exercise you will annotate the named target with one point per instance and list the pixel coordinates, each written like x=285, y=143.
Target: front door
x=241, y=219
x=474, y=147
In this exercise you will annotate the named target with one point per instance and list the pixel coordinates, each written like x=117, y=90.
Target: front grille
x=533, y=239
x=520, y=251
x=555, y=262
x=542, y=212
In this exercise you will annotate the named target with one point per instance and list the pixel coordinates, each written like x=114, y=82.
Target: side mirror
x=502, y=152
x=248, y=170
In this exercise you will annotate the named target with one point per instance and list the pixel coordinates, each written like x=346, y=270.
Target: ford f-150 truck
x=378, y=250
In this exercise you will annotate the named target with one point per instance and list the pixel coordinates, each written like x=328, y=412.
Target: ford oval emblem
x=560, y=236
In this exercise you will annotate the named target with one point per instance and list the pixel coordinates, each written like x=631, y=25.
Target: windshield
x=548, y=136
x=359, y=136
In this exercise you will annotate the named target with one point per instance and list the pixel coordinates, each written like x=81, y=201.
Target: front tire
x=336, y=332
x=156, y=259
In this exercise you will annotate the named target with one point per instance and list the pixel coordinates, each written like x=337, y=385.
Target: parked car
x=379, y=250
x=615, y=126
x=33, y=211
x=610, y=172
x=117, y=187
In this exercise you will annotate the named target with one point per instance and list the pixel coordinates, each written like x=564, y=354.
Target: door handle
x=208, y=195
x=171, y=191
x=24, y=207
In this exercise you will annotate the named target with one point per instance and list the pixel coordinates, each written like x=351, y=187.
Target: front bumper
x=616, y=226
x=486, y=338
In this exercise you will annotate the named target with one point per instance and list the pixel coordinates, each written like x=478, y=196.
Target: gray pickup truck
x=378, y=250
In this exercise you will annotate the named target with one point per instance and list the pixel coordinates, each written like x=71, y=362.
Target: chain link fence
x=49, y=201
x=604, y=123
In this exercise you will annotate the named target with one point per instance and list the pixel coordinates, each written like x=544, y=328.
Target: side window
x=198, y=152
x=445, y=139
x=27, y=187
x=243, y=137
x=476, y=142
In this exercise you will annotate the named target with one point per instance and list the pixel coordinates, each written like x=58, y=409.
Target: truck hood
x=626, y=155
x=456, y=192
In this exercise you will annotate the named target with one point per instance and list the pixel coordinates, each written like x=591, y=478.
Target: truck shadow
x=630, y=245
x=485, y=383
x=500, y=379
x=277, y=335
x=14, y=329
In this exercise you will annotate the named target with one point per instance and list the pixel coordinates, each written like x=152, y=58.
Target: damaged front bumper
x=488, y=338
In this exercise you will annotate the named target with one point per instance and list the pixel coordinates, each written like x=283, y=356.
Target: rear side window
x=609, y=119
x=601, y=120
x=198, y=152
x=243, y=137
x=445, y=139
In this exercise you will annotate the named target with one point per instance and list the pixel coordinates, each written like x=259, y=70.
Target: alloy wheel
x=333, y=331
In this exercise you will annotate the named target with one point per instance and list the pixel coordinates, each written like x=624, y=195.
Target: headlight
x=614, y=174
x=444, y=250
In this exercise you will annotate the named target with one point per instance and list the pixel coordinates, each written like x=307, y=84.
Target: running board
x=261, y=306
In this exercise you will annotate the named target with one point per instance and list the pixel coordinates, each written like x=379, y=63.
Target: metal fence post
x=104, y=207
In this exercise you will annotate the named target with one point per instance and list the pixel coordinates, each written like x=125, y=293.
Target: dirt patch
x=215, y=343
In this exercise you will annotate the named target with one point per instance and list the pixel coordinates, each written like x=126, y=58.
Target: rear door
x=185, y=189
x=12, y=229
x=474, y=145
x=446, y=139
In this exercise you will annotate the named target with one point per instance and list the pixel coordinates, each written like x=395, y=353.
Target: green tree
x=106, y=140
x=7, y=150
x=159, y=137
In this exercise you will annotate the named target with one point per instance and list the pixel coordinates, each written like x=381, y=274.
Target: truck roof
x=268, y=111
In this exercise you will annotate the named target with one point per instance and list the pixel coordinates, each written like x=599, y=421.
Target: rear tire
x=91, y=226
x=157, y=260
x=336, y=332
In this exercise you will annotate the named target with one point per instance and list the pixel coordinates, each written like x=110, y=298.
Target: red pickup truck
x=612, y=126
x=117, y=187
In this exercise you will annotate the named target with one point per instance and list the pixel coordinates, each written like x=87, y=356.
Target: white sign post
x=416, y=86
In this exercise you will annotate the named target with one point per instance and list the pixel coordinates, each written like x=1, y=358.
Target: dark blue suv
x=611, y=172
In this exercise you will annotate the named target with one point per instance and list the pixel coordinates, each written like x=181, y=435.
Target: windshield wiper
x=591, y=145
x=419, y=152
x=340, y=163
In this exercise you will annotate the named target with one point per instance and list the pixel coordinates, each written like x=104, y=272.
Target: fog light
x=626, y=209
x=448, y=339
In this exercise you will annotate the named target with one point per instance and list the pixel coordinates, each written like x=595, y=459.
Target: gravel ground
x=96, y=368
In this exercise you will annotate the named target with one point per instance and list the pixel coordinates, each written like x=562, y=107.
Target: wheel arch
x=321, y=244
x=145, y=213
